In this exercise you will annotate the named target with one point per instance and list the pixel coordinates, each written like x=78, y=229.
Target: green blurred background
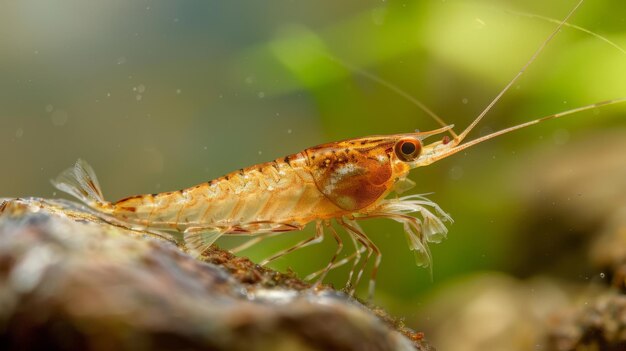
x=160, y=95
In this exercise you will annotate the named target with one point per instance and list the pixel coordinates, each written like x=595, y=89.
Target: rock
x=608, y=251
x=597, y=325
x=572, y=195
x=70, y=280
x=492, y=311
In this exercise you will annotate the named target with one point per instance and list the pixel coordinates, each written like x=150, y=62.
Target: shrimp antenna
x=458, y=148
x=519, y=74
x=584, y=30
x=396, y=90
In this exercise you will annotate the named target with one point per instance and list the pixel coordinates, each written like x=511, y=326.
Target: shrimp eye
x=408, y=150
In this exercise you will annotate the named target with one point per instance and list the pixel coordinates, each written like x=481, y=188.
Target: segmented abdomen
x=274, y=196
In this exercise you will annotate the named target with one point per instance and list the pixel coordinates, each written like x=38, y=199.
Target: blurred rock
x=575, y=227
x=608, y=251
x=71, y=281
x=596, y=325
x=492, y=311
x=573, y=194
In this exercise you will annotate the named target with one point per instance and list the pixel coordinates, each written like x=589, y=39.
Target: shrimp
x=338, y=183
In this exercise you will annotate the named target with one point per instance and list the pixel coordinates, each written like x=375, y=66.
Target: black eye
x=408, y=150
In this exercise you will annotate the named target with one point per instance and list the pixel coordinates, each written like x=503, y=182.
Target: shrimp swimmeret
x=344, y=182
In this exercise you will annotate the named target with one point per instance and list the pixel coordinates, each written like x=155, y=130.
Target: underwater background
x=162, y=95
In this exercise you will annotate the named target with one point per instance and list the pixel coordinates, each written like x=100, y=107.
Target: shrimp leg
x=337, y=251
x=359, y=250
x=315, y=239
x=360, y=246
x=356, y=256
x=353, y=228
x=257, y=239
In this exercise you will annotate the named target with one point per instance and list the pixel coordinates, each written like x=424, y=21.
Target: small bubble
x=465, y=101
x=456, y=172
x=261, y=94
x=54, y=193
x=249, y=80
x=560, y=136
x=206, y=148
x=138, y=97
x=19, y=133
x=178, y=91
x=260, y=152
x=141, y=88
x=49, y=108
x=378, y=16
x=59, y=118
x=108, y=94
x=602, y=275
x=289, y=131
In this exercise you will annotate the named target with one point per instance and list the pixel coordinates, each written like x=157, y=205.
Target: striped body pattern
x=252, y=200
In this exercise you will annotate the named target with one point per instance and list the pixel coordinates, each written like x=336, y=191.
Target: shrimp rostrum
x=333, y=185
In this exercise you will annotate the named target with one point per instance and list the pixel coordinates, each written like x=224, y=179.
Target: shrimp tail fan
x=80, y=181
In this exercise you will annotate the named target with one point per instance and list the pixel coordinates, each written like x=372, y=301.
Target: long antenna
x=508, y=86
x=396, y=90
x=458, y=148
x=584, y=30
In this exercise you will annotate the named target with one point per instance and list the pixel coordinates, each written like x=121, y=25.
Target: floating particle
x=59, y=118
